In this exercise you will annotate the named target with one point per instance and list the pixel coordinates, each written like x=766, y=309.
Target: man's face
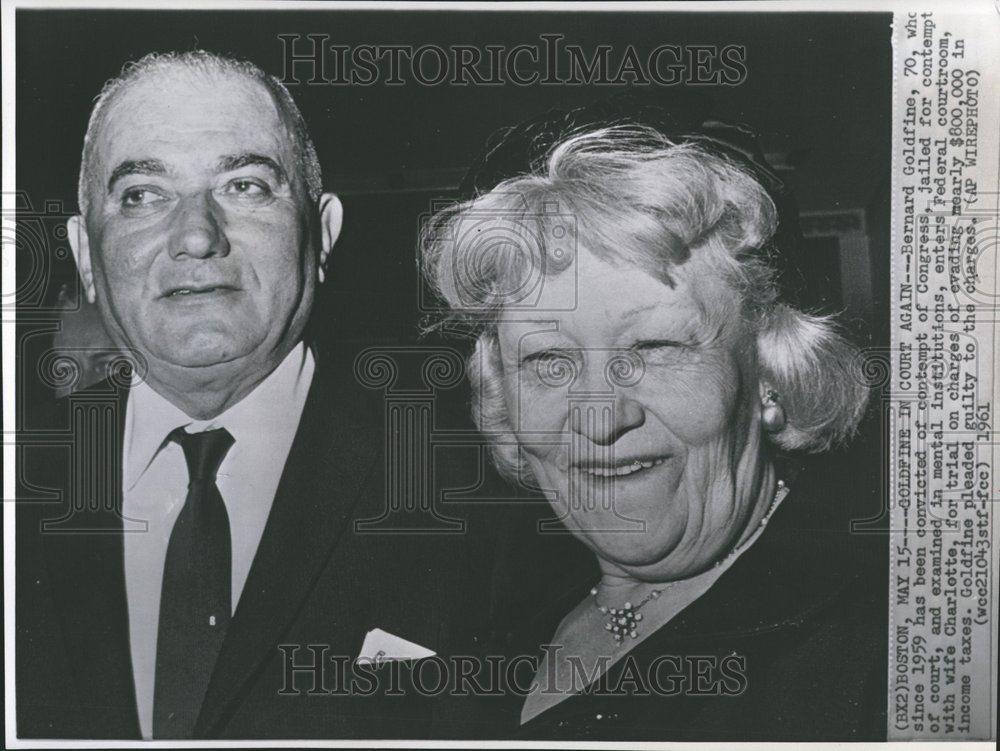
x=199, y=229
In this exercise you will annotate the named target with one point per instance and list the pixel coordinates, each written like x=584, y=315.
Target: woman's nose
x=197, y=231
x=604, y=422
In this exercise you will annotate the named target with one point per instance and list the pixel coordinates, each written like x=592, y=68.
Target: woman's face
x=633, y=402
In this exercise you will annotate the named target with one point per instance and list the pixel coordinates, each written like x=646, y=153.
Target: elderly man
x=205, y=576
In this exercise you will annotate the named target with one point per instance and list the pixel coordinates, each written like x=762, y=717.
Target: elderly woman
x=637, y=360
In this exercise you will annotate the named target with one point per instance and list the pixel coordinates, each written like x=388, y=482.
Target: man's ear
x=331, y=219
x=76, y=229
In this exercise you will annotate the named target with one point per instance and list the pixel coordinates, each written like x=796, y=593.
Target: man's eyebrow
x=247, y=159
x=136, y=167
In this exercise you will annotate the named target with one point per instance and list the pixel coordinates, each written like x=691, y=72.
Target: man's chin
x=204, y=354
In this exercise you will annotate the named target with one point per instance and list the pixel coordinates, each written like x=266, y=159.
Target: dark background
x=818, y=93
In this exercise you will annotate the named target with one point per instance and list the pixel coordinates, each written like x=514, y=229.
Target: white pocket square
x=381, y=646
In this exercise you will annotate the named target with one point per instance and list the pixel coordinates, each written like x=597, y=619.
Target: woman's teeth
x=625, y=469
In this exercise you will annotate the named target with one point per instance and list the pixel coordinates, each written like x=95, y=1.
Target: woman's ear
x=772, y=411
x=76, y=230
x=764, y=388
x=331, y=219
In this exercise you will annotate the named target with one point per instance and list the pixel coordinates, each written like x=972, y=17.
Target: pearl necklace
x=624, y=621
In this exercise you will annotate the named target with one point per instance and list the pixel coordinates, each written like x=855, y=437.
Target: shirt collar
x=274, y=407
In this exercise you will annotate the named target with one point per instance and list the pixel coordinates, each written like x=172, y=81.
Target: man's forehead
x=191, y=111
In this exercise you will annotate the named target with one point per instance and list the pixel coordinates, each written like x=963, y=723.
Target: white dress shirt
x=155, y=474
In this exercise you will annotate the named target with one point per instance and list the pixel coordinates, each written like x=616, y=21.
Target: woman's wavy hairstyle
x=635, y=196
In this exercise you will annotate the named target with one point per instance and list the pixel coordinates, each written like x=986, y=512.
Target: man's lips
x=186, y=291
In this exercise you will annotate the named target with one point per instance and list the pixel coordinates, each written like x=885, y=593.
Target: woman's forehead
x=607, y=291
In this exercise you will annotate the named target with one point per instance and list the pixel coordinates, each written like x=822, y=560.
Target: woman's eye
x=656, y=345
x=553, y=367
x=658, y=350
x=548, y=358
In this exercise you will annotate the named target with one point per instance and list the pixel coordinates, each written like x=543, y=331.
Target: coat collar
x=265, y=420
x=333, y=452
x=806, y=556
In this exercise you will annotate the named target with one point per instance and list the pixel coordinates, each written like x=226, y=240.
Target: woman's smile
x=631, y=468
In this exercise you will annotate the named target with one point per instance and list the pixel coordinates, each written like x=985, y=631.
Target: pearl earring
x=773, y=414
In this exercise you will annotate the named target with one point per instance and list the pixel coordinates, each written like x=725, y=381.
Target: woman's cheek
x=536, y=406
x=696, y=403
x=543, y=433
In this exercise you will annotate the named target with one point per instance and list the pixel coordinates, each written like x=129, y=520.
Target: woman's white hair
x=635, y=196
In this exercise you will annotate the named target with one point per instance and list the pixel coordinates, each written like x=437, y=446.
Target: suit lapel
x=84, y=554
x=333, y=451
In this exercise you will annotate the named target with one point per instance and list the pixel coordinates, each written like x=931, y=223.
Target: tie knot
x=203, y=451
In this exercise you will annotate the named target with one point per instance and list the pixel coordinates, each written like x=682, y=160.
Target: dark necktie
x=195, y=601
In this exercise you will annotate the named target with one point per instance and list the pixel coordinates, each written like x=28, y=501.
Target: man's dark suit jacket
x=316, y=580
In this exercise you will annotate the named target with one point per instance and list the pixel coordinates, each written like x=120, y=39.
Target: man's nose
x=198, y=230
x=604, y=421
